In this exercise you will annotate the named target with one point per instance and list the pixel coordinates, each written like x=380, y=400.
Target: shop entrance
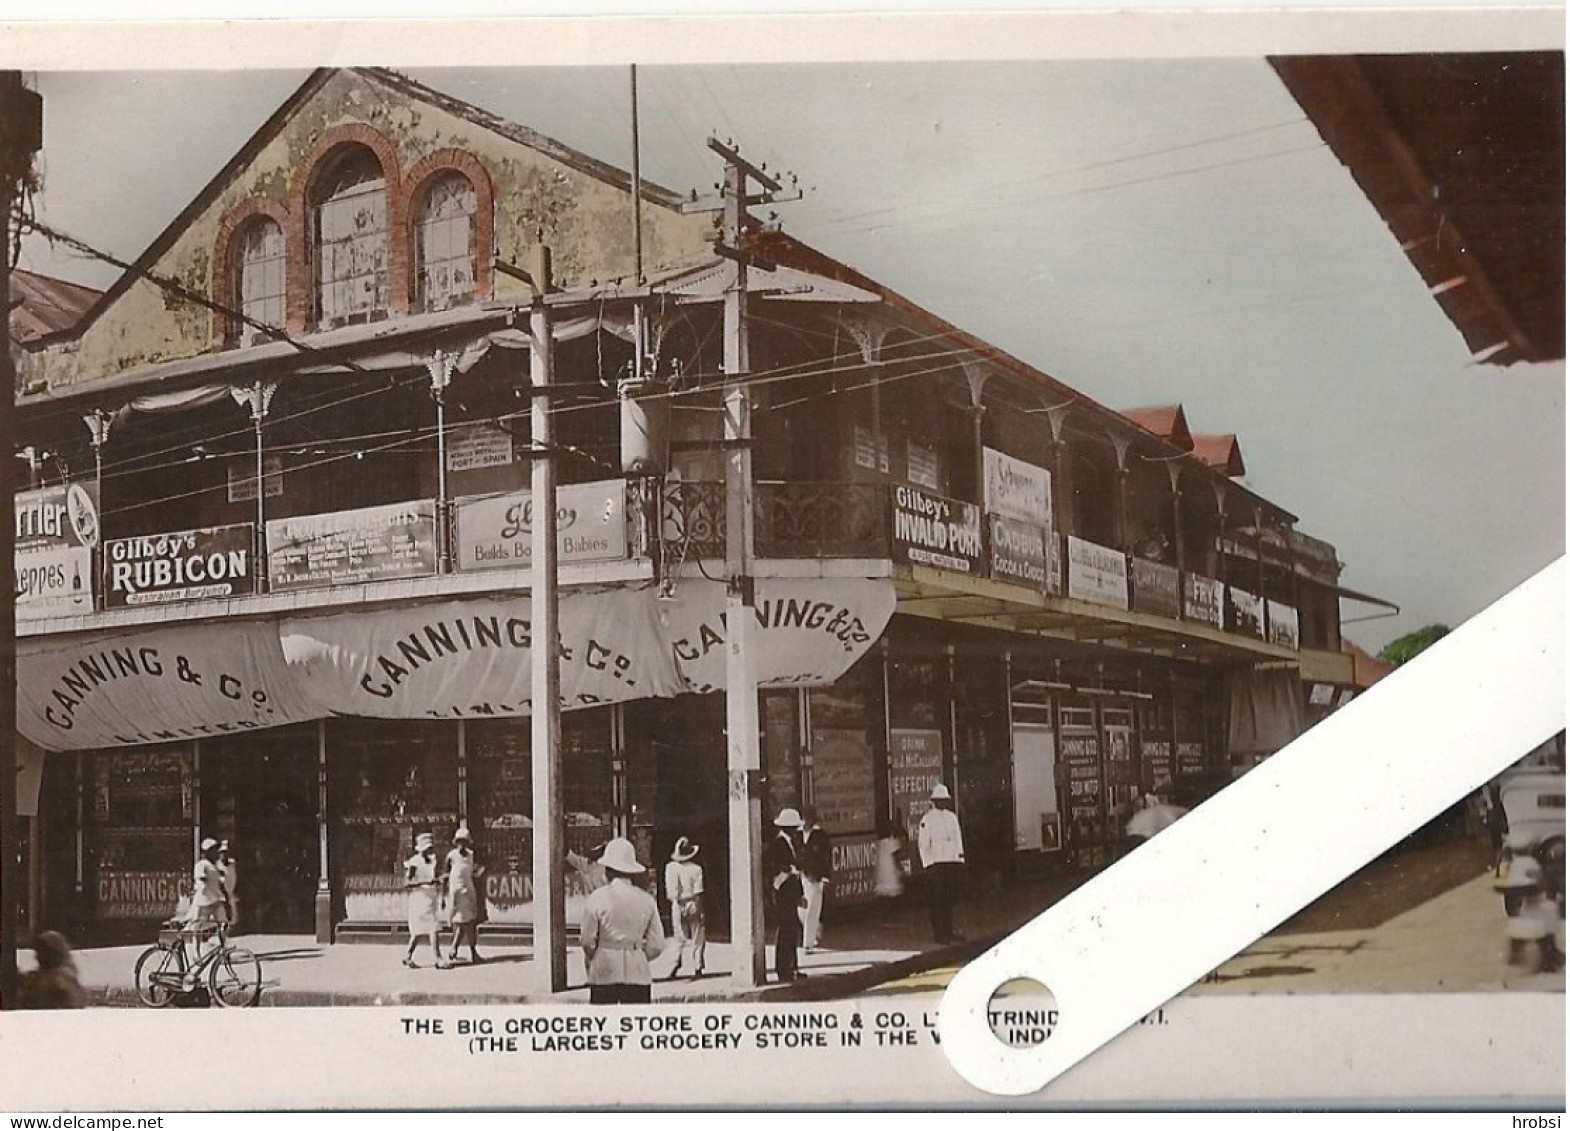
x=260, y=793
x=688, y=738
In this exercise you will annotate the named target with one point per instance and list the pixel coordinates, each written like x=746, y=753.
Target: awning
x=443, y=659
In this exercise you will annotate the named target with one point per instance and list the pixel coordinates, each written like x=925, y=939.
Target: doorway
x=260, y=794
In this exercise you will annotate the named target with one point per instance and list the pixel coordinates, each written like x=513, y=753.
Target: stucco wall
x=585, y=222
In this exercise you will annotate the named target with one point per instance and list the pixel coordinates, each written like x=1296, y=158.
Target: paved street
x=1450, y=941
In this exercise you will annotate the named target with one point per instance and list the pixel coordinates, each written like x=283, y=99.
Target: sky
x=1148, y=231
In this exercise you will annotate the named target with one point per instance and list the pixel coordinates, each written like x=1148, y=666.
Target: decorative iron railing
x=821, y=520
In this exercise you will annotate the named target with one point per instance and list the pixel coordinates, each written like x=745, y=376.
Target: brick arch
x=421, y=176
x=327, y=146
x=225, y=292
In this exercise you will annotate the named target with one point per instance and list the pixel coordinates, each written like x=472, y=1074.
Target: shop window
x=352, y=257
x=444, y=244
x=142, y=814
x=259, y=282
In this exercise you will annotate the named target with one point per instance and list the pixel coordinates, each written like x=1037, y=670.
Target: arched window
x=259, y=277
x=352, y=261
x=444, y=244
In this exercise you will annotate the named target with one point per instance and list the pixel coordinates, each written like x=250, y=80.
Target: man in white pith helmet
x=942, y=848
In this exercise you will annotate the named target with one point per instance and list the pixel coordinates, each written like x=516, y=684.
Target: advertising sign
x=855, y=864
x=496, y=531
x=56, y=530
x=842, y=788
x=141, y=895
x=1155, y=588
x=1019, y=552
x=1096, y=573
x=184, y=566
x=473, y=446
x=1283, y=623
x=1202, y=599
x=1016, y=489
x=1245, y=612
x=915, y=766
x=242, y=479
x=352, y=547
x=934, y=531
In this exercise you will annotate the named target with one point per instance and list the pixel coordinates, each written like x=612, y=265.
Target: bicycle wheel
x=159, y=972
x=236, y=978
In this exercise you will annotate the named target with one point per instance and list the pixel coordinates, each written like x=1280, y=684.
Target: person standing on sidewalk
x=684, y=889
x=621, y=931
x=784, y=880
x=817, y=868
x=423, y=883
x=463, y=895
x=231, y=877
x=942, y=848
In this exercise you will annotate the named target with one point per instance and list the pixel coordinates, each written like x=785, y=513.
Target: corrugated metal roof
x=41, y=305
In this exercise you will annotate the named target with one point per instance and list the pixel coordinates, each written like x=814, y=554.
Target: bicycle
x=166, y=972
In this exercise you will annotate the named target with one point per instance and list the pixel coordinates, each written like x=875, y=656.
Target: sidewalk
x=865, y=947
x=1454, y=942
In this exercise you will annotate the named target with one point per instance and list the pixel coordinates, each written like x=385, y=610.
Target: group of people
x=798, y=864
x=426, y=879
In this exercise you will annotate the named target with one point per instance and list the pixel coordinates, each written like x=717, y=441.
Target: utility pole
x=743, y=760
x=21, y=136
x=549, y=850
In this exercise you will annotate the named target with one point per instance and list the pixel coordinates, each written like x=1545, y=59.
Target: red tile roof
x=1220, y=453
x=1366, y=670
x=41, y=305
x=1166, y=421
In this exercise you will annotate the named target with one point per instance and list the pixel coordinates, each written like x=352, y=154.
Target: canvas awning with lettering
x=446, y=659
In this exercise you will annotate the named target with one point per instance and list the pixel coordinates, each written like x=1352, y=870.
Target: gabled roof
x=1220, y=453
x=1166, y=421
x=274, y=125
x=41, y=305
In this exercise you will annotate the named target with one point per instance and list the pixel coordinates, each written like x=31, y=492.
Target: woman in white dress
x=463, y=894
x=424, y=885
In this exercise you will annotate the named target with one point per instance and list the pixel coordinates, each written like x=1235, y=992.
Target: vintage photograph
x=753, y=535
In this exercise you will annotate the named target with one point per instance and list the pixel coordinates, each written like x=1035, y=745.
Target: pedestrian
x=1535, y=916
x=54, y=984
x=684, y=890
x=889, y=880
x=209, y=898
x=620, y=931
x=463, y=894
x=817, y=869
x=783, y=875
x=424, y=885
x=1517, y=872
x=231, y=877
x=942, y=849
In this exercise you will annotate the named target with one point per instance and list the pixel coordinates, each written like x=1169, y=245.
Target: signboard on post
x=473, y=446
x=933, y=531
x=352, y=547
x=188, y=565
x=495, y=531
